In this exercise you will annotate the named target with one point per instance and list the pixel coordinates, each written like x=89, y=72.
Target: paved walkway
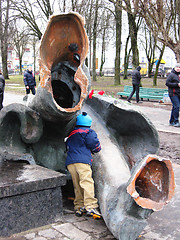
x=159, y=117
x=12, y=98
x=163, y=225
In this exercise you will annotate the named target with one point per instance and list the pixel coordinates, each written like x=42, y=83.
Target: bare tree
x=133, y=31
x=157, y=65
x=34, y=13
x=133, y=26
x=88, y=26
x=105, y=23
x=89, y=9
x=35, y=42
x=45, y=7
x=118, y=17
x=95, y=39
x=20, y=41
x=126, y=58
x=86, y=9
x=97, y=16
x=64, y=5
x=73, y=2
x=163, y=19
x=4, y=33
x=81, y=6
x=149, y=43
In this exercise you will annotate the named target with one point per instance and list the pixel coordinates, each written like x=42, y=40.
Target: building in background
x=13, y=60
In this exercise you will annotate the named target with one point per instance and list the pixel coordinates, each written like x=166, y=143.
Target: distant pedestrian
x=173, y=84
x=136, y=78
x=2, y=86
x=29, y=81
x=81, y=143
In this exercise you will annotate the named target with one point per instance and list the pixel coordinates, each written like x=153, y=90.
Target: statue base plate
x=30, y=197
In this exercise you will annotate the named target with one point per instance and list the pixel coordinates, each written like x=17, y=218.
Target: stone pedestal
x=30, y=196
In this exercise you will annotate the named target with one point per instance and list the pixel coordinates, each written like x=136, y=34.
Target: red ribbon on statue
x=101, y=92
x=91, y=93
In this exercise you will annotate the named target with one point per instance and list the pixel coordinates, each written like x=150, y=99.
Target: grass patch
x=15, y=84
x=104, y=83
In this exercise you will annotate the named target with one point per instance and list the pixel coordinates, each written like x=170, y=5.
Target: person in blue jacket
x=173, y=84
x=29, y=81
x=81, y=143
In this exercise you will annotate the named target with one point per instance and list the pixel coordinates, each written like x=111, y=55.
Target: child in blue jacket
x=81, y=143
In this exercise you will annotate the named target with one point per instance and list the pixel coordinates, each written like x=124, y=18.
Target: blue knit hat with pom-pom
x=83, y=120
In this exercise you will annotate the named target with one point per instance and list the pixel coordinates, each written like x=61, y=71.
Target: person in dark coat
x=82, y=142
x=173, y=84
x=136, y=78
x=2, y=86
x=29, y=81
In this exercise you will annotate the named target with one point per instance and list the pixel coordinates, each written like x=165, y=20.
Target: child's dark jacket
x=81, y=143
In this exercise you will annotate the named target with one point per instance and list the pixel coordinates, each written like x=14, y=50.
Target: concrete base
x=30, y=196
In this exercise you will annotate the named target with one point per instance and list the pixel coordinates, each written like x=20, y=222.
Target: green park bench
x=145, y=93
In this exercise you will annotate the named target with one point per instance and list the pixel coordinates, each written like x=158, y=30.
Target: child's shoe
x=93, y=212
x=79, y=212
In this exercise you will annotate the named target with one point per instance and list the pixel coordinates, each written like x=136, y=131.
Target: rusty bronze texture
x=152, y=186
x=64, y=79
x=131, y=180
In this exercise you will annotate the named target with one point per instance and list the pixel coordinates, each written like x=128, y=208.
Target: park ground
x=103, y=83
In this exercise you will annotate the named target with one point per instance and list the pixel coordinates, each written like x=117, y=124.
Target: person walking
x=173, y=84
x=2, y=86
x=81, y=143
x=29, y=81
x=136, y=78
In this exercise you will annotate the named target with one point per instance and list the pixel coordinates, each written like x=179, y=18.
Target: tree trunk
x=150, y=47
x=94, y=41
x=178, y=12
x=102, y=52
x=89, y=33
x=4, y=61
x=64, y=5
x=150, y=67
x=34, y=52
x=4, y=36
x=118, y=14
x=151, y=60
x=102, y=63
x=73, y=5
x=133, y=30
x=126, y=59
x=157, y=66
x=20, y=64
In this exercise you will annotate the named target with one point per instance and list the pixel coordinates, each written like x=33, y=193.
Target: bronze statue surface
x=131, y=180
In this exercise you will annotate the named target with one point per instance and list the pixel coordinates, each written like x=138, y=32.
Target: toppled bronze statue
x=131, y=181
